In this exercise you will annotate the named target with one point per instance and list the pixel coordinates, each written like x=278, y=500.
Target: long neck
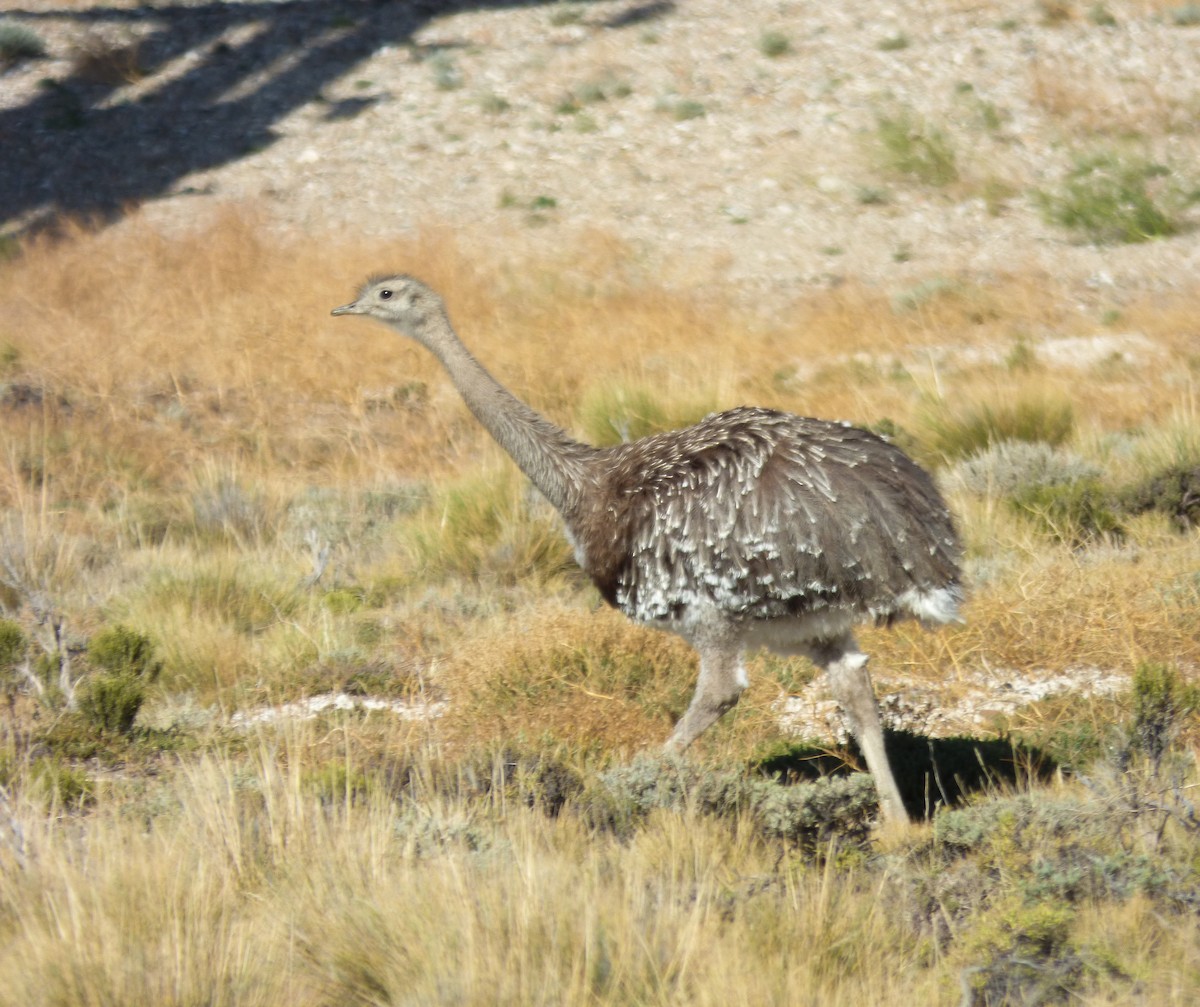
x=553, y=461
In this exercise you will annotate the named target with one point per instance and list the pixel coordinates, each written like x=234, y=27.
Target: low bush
x=808, y=813
x=1015, y=466
x=125, y=664
x=1174, y=491
x=18, y=43
x=1107, y=198
x=910, y=146
x=1075, y=513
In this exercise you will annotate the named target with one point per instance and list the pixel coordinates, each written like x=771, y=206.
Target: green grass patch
x=909, y=145
x=617, y=413
x=1112, y=198
x=1074, y=513
x=774, y=43
x=955, y=434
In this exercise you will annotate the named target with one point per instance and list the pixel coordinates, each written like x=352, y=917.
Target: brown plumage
x=751, y=528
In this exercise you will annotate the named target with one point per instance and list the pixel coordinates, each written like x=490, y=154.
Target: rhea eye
x=385, y=295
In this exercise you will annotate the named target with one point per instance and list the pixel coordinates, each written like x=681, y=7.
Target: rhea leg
x=846, y=668
x=720, y=684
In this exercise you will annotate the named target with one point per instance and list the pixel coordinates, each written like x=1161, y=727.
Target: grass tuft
x=774, y=43
x=617, y=413
x=910, y=146
x=19, y=42
x=1074, y=513
x=1108, y=198
x=976, y=428
x=490, y=527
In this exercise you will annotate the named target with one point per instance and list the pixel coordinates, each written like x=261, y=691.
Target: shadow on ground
x=219, y=77
x=931, y=772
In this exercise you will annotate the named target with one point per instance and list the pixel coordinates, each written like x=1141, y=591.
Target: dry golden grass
x=188, y=399
x=184, y=423
x=1089, y=101
x=252, y=889
x=265, y=878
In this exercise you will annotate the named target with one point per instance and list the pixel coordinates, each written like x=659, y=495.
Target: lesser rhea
x=752, y=528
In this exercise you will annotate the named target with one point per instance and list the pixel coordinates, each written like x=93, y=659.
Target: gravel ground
x=665, y=124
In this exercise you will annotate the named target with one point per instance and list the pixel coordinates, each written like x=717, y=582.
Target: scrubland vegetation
x=217, y=499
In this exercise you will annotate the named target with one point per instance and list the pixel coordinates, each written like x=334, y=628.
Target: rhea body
x=752, y=528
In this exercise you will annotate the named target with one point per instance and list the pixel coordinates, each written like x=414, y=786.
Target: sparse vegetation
x=493, y=104
x=562, y=14
x=1099, y=15
x=312, y=522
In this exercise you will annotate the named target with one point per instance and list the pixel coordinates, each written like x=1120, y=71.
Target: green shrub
x=120, y=650
x=910, y=146
x=60, y=784
x=338, y=784
x=1162, y=704
x=18, y=42
x=1174, y=491
x=493, y=104
x=1187, y=15
x=683, y=109
x=1106, y=199
x=616, y=413
x=1074, y=513
x=562, y=14
x=1101, y=16
x=446, y=74
x=110, y=698
x=110, y=703
x=605, y=87
x=1027, y=957
x=13, y=646
x=807, y=813
x=774, y=43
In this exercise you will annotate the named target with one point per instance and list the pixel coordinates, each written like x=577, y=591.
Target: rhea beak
x=348, y=309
